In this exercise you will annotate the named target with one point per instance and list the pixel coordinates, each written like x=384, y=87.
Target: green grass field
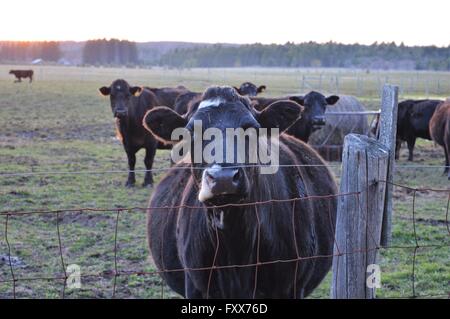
x=60, y=123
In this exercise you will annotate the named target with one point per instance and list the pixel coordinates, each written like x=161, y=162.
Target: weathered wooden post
x=388, y=134
x=366, y=165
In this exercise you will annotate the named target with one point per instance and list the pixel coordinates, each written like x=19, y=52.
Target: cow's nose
x=120, y=113
x=223, y=180
x=318, y=120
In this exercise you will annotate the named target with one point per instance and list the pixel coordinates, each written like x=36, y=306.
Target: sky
x=233, y=21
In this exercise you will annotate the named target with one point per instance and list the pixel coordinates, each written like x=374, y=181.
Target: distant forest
x=190, y=55
x=112, y=51
x=377, y=56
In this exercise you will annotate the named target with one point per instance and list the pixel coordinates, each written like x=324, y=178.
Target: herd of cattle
x=204, y=215
x=416, y=118
x=226, y=230
x=129, y=111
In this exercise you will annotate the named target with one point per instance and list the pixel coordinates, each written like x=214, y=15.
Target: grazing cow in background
x=313, y=116
x=250, y=89
x=19, y=74
x=412, y=122
x=440, y=131
x=167, y=95
x=204, y=225
x=129, y=110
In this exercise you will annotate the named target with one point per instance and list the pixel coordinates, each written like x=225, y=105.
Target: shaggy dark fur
x=183, y=236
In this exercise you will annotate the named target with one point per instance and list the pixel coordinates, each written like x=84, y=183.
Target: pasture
x=61, y=124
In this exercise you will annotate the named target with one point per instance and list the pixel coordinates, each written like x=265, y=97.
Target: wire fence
x=360, y=84
x=116, y=272
x=159, y=170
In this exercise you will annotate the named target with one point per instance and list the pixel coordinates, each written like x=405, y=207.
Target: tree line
x=20, y=51
x=112, y=51
x=189, y=55
x=311, y=54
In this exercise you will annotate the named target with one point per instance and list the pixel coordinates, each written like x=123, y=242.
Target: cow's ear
x=162, y=121
x=298, y=99
x=261, y=88
x=332, y=99
x=280, y=114
x=104, y=90
x=237, y=89
x=135, y=89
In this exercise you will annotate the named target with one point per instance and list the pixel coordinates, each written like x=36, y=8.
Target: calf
x=129, y=110
x=250, y=89
x=209, y=218
x=440, y=131
x=19, y=74
x=412, y=122
x=313, y=116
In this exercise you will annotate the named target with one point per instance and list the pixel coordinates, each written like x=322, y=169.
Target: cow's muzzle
x=222, y=185
x=318, y=122
x=120, y=113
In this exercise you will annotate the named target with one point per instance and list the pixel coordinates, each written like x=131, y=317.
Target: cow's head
x=315, y=105
x=221, y=108
x=249, y=89
x=11, y=72
x=120, y=93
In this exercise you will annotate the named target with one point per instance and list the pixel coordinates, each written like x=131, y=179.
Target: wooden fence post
x=388, y=134
x=363, y=218
x=359, y=217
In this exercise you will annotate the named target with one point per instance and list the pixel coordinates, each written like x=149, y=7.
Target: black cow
x=167, y=95
x=19, y=74
x=207, y=219
x=184, y=100
x=313, y=116
x=250, y=89
x=129, y=111
x=412, y=122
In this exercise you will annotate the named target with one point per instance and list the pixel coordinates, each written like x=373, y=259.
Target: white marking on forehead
x=118, y=87
x=211, y=103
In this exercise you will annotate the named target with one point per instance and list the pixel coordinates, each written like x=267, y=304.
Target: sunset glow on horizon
x=346, y=21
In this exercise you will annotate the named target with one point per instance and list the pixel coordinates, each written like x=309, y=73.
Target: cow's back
x=167, y=96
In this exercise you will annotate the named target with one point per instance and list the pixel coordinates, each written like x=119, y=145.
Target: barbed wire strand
x=157, y=170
